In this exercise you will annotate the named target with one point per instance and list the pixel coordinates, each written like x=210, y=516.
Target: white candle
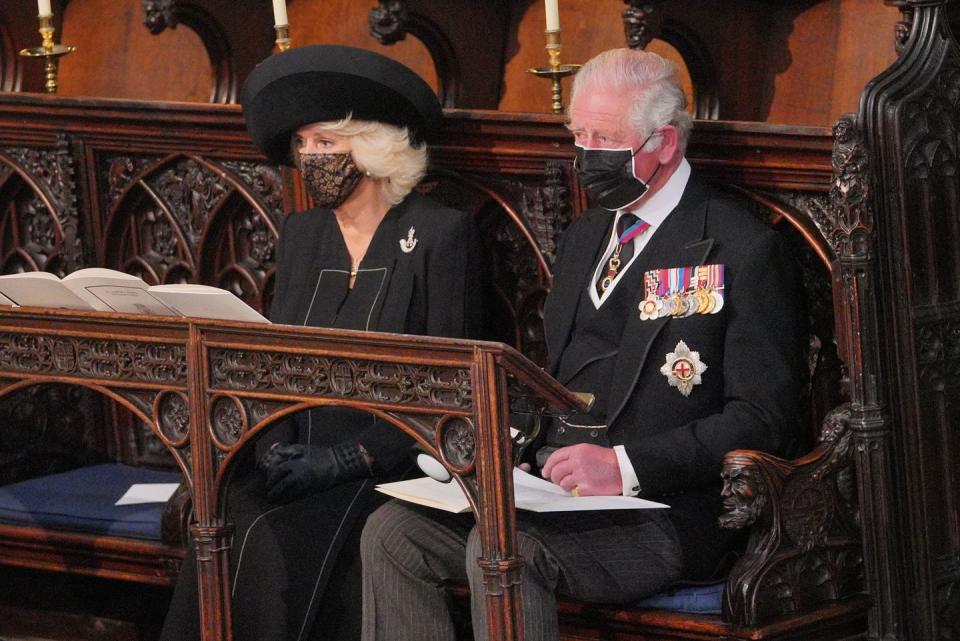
x=553, y=15
x=279, y=11
x=43, y=8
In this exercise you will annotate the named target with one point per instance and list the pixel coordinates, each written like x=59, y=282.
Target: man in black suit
x=680, y=312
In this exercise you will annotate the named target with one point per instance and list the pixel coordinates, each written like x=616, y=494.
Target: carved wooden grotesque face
x=744, y=493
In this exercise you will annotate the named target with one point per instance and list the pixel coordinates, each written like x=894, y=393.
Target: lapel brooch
x=407, y=244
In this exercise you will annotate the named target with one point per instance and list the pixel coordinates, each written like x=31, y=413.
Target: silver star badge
x=683, y=368
x=407, y=244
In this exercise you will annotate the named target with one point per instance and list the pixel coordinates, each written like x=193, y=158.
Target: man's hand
x=592, y=469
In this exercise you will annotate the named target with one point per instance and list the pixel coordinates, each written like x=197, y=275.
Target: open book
x=529, y=493
x=108, y=290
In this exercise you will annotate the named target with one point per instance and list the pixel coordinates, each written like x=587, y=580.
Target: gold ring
x=575, y=490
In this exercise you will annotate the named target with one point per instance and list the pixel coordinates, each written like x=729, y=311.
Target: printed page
x=6, y=302
x=40, y=289
x=109, y=290
x=130, y=300
x=203, y=301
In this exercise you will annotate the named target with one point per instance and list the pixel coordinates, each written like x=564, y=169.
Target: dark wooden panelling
x=799, y=62
x=796, y=62
x=125, y=60
x=313, y=23
x=903, y=200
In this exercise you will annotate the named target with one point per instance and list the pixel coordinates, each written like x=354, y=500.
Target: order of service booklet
x=109, y=290
x=529, y=493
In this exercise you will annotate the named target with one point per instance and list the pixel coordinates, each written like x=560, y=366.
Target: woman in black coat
x=370, y=255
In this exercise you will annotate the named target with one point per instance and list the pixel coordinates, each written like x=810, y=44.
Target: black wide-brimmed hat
x=320, y=83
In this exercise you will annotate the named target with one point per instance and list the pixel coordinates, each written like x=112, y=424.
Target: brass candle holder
x=49, y=51
x=283, y=36
x=556, y=71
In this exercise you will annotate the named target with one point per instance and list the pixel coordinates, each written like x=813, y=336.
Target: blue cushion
x=699, y=599
x=82, y=500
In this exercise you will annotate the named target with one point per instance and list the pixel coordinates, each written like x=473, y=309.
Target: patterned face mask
x=330, y=178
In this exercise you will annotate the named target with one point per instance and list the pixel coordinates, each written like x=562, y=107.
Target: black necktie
x=622, y=253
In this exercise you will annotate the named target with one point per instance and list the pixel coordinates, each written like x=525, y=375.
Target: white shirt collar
x=659, y=205
x=653, y=211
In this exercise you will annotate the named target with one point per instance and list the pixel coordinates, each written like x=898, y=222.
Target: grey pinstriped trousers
x=408, y=553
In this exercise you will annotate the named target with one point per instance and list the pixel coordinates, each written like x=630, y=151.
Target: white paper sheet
x=148, y=493
x=530, y=493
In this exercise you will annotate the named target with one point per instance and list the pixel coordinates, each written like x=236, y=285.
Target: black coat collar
x=679, y=241
x=328, y=307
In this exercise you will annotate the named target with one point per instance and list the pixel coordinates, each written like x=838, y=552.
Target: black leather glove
x=278, y=453
x=293, y=471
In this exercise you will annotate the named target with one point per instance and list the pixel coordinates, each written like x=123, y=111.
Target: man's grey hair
x=653, y=82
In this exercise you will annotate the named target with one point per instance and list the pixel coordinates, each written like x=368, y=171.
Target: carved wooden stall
x=160, y=202
x=817, y=55
x=175, y=192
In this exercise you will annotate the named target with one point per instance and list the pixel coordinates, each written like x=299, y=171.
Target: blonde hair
x=384, y=152
x=657, y=97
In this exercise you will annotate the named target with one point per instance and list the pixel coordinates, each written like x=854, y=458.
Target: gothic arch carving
x=522, y=240
x=696, y=55
x=167, y=213
x=644, y=20
x=103, y=359
x=162, y=14
x=9, y=80
x=444, y=57
x=390, y=22
x=39, y=220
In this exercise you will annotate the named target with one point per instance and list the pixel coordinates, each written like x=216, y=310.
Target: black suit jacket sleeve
x=763, y=377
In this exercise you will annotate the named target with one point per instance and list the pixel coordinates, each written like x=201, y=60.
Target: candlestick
x=283, y=36
x=48, y=50
x=280, y=12
x=553, y=15
x=556, y=71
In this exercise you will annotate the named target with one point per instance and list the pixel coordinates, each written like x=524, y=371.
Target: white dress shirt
x=653, y=210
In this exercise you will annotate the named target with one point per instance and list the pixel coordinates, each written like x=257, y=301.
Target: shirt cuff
x=628, y=476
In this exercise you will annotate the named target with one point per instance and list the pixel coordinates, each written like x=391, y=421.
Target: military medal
x=674, y=295
x=698, y=283
x=613, y=265
x=717, y=301
x=650, y=308
x=680, y=292
x=703, y=301
x=692, y=304
x=651, y=305
x=683, y=368
x=714, y=286
x=679, y=305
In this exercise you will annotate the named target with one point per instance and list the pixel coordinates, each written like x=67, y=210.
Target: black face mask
x=607, y=175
